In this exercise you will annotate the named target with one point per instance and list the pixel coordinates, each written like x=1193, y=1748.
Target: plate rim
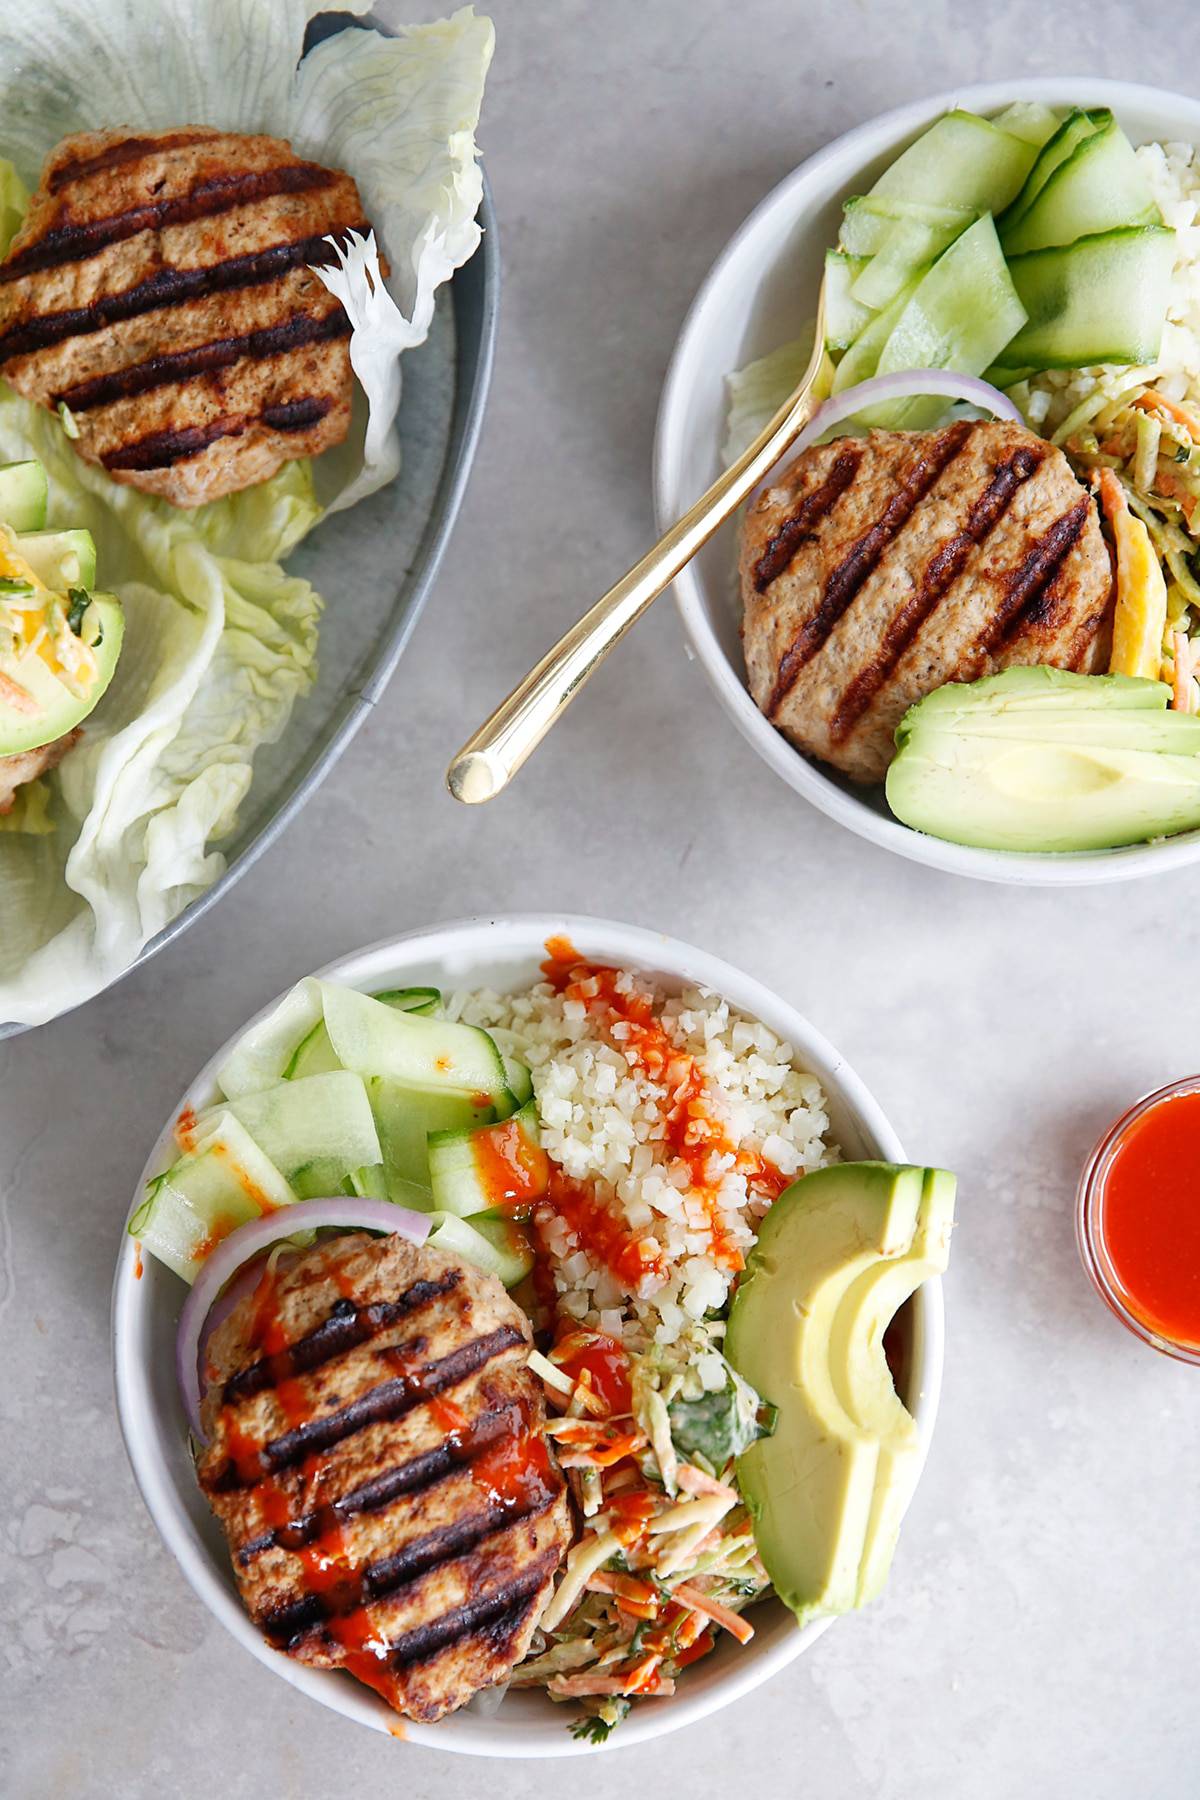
x=1069, y=869
x=638, y=945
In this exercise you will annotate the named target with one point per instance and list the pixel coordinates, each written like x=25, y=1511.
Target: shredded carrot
x=633, y=1597
x=689, y=1628
x=1150, y=401
x=18, y=697
x=580, y=1687
x=605, y=1455
x=1112, y=494
x=694, y=1481
x=1168, y=483
x=732, y=1622
x=602, y=1582
x=642, y=1674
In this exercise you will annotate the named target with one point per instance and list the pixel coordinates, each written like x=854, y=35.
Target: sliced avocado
x=810, y=1486
x=23, y=496
x=863, y=1381
x=62, y=559
x=54, y=708
x=1115, y=728
x=1041, y=795
x=1041, y=688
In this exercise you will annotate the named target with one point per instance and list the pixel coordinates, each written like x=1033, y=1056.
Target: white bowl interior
x=757, y=297
x=501, y=953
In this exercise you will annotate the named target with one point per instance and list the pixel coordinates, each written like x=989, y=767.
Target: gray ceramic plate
x=375, y=565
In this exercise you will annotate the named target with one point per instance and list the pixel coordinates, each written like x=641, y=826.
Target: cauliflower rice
x=606, y=1122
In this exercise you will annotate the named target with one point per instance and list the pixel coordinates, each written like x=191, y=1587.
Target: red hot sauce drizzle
x=694, y=1136
x=512, y=1474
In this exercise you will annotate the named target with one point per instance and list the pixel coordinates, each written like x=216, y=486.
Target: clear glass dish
x=1090, y=1224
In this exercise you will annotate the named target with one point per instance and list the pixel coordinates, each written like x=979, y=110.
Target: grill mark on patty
x=798, y=528
x=863, y=556
x=487, y=1617
x=130, y=149
x=1025, y=587
x=412, y=1477
x=170, y=287
x=939, y=577
x=379, y=1580
x=387, y=1401
x=216, y=194
x=160, y=449
x=344, y=1329
x=204, y=359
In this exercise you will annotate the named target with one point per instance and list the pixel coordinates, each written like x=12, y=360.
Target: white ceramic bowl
x=756, y=298
x=501, y=953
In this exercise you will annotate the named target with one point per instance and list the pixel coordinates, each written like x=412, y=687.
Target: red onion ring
x=241, y=1246
x=904, y=384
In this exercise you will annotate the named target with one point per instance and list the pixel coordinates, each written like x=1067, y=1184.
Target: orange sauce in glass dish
x=1139, y=1219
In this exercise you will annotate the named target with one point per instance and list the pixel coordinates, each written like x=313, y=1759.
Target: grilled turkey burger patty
x=160, y=287
x=877, y=568
x=378, y=1461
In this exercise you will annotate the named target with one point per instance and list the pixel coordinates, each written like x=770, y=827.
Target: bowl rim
x=853, y=149
x=146, y=1433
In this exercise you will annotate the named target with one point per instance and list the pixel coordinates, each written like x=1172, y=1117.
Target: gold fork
x=488, y=761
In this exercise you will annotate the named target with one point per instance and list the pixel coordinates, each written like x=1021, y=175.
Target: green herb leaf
x=9, y=586
x=1183, y=454
x=718, y=1426
x=80, y=601
x=595, y=1727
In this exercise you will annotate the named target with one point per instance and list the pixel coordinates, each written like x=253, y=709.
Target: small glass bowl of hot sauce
x=1138, y=1219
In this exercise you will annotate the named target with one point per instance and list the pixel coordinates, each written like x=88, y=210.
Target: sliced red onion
x=345, y=1213
x=904, y=384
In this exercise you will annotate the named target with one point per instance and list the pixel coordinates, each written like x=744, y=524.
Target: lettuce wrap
x=220, y=639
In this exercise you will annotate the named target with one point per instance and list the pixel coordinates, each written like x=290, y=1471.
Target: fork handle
x=488, y=760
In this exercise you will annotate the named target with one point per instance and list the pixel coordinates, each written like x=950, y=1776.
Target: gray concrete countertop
x=1038, y=1631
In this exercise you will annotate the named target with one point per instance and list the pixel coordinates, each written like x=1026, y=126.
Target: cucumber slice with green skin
x=313, y=1056
x=962, y=160
x=316, y=1130
x=422, y=1000
x=23, y=496
x=961, y=316
x=261, y=1055
x=520, y=1083
x=845, y=319
x=1076, y=129
x=1101, y=186
x=867, y=220
x=909, y=248
x=222, y=1183
x=62, y=559
x=496, y=1166
x=1029, y=120
x=1102, y=299
x=862, y=358
x=433, y=1055
x=496, y=1246
x=404, y=1119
